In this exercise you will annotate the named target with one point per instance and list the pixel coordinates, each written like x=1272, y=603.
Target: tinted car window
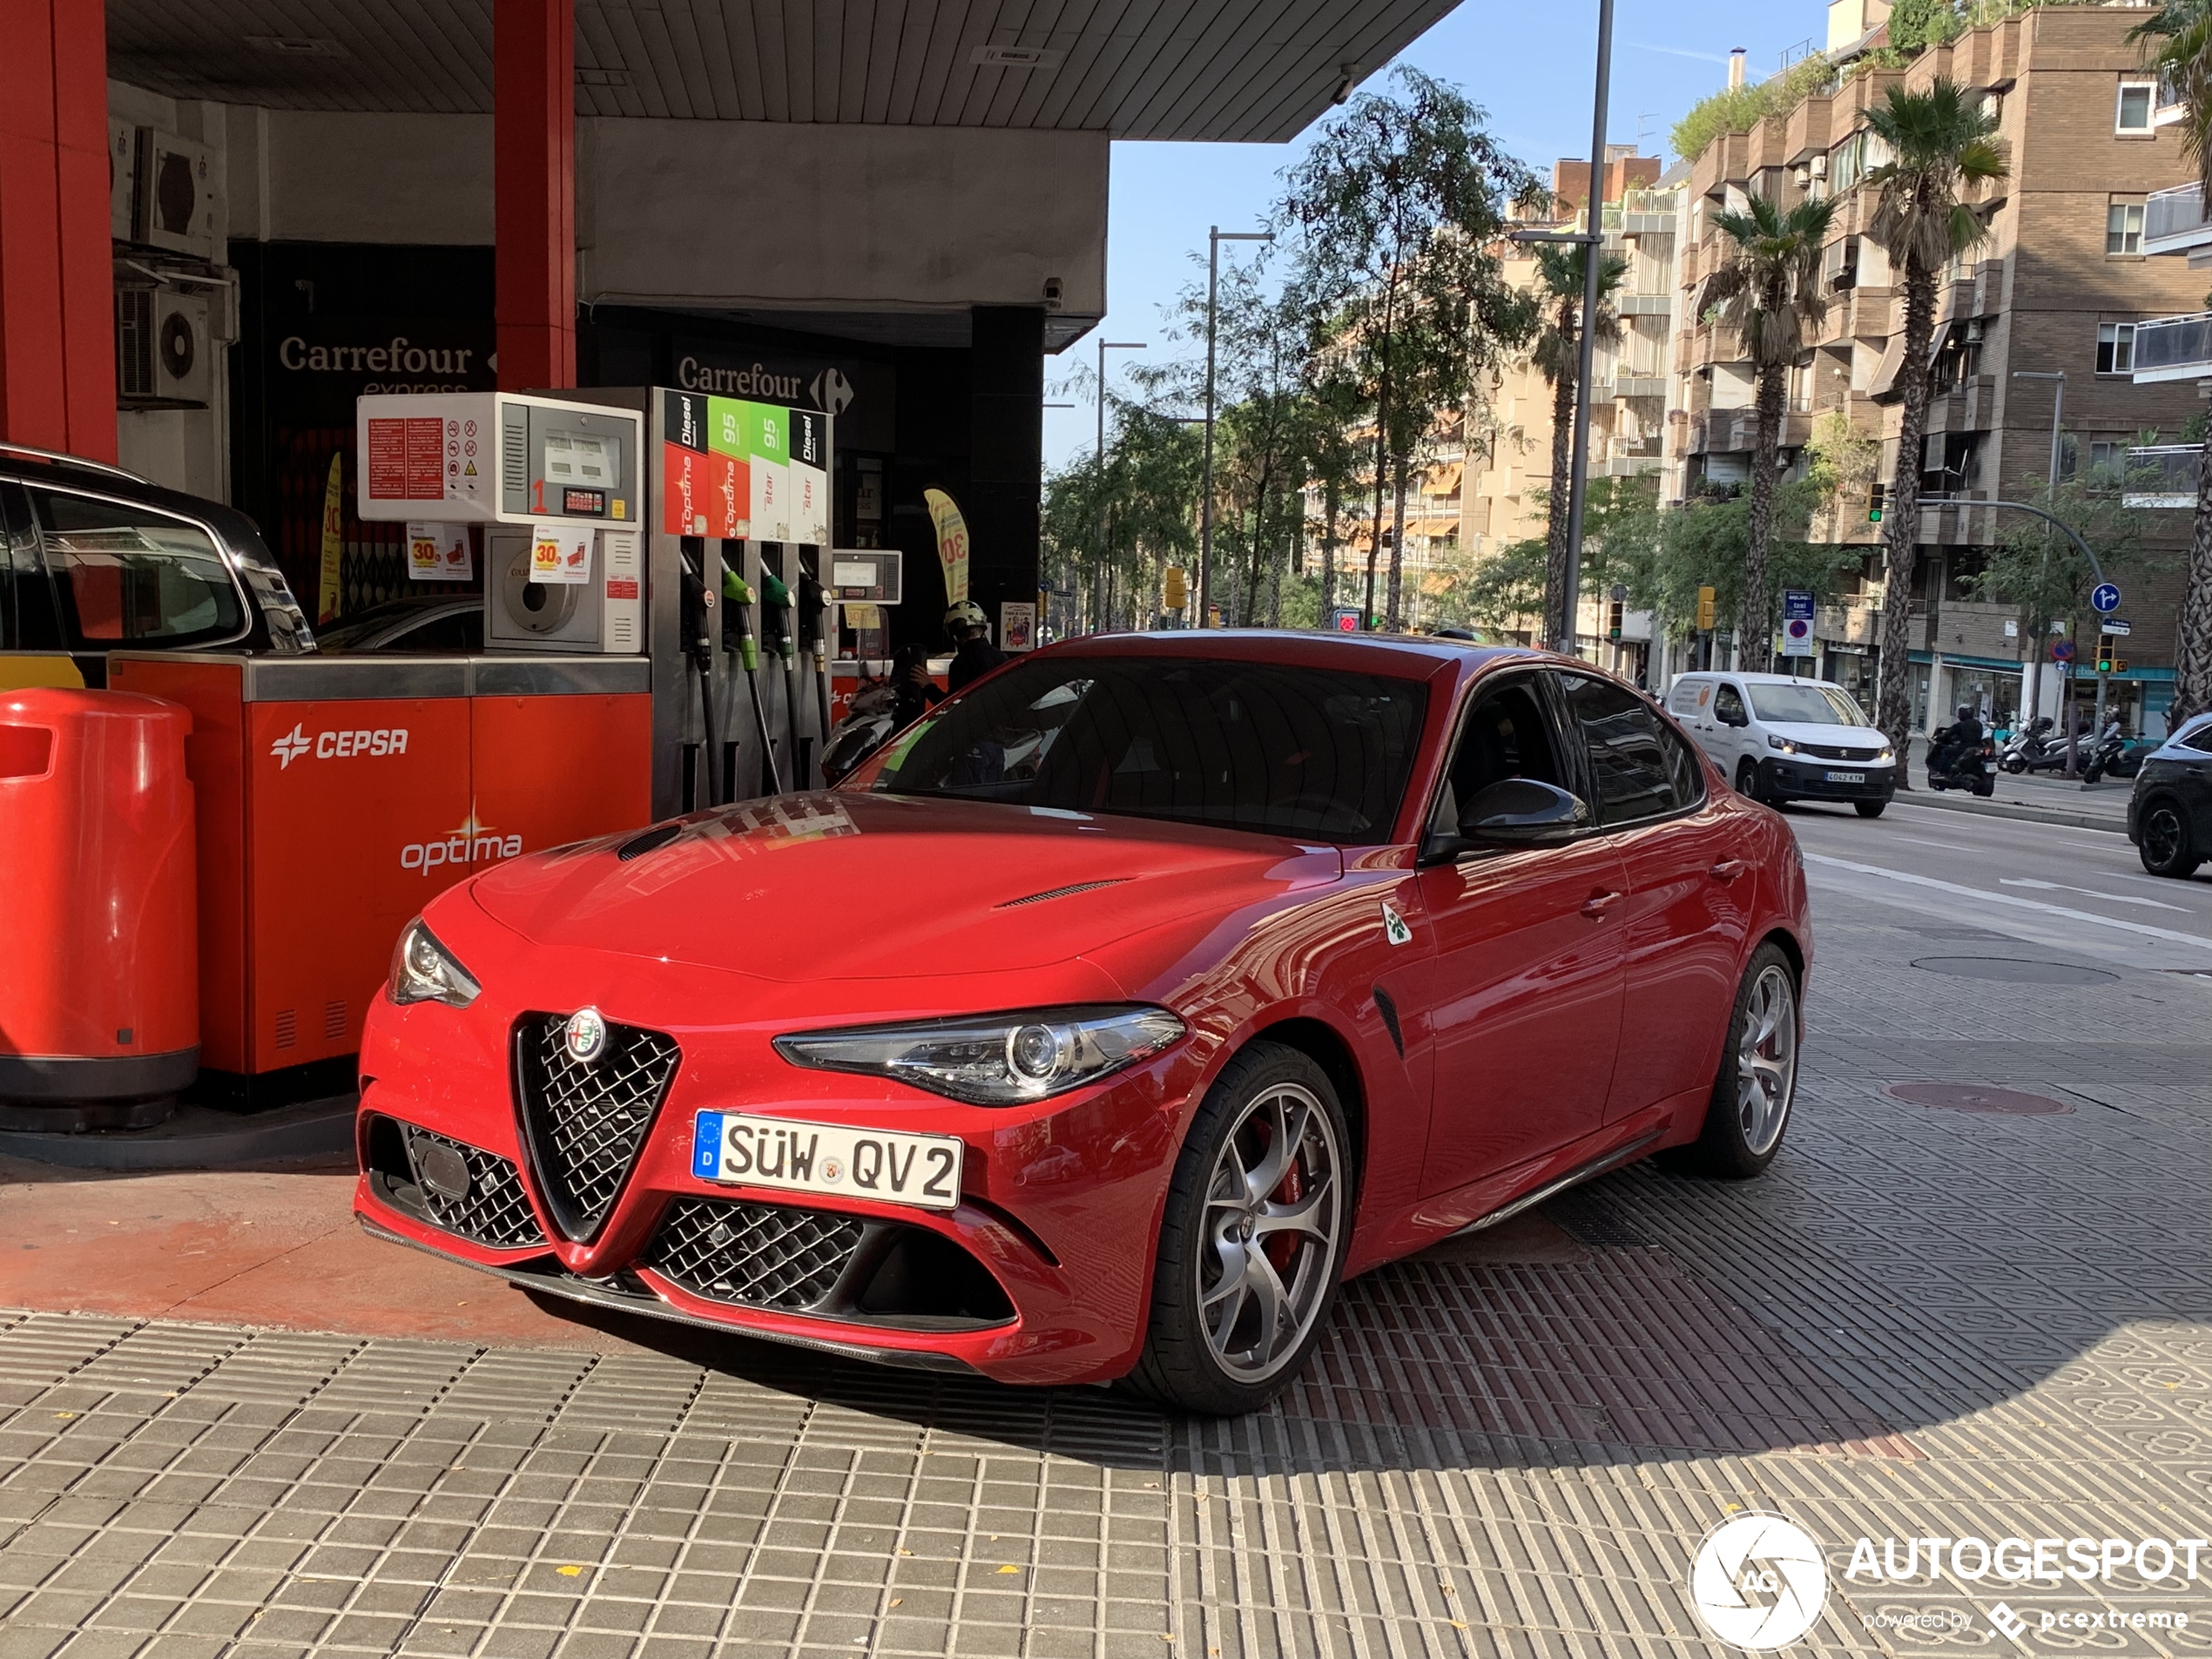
x=1507, y=735
x=1309, y=753
x=2200, y=739
x=129, y=574
x=1641, y=769
x=27, y=619
x=1728, y=705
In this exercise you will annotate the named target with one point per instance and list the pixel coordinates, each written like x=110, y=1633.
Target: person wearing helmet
x=973, y=656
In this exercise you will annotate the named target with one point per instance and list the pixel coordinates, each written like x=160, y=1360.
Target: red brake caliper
x=1280, y=1247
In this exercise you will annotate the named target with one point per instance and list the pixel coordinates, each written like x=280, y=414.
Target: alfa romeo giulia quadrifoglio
x=1106, y=1021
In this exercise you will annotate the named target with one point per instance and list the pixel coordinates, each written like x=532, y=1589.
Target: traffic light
x=1705, y=599
x=2104, y=660
x=1874, y=503
x=2119, y=667
x=1175, y=596
x=1613, y=621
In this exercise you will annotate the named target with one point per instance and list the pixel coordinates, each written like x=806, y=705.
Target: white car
x=1781, y=738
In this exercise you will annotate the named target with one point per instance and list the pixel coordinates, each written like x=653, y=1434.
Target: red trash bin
x=99, y=977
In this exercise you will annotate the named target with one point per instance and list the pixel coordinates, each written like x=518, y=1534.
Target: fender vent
x=1062, y=893
x=638, y=845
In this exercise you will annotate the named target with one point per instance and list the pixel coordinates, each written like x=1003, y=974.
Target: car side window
x=1640, y=770
x=1728, y=706
x=1506, y=734
x=128, y=574
x=2200, y=739
x=27, y=618
x=460, y=631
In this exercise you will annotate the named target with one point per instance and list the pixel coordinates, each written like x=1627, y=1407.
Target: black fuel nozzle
x=813, y=604
x=775, y=614
x=698, y=601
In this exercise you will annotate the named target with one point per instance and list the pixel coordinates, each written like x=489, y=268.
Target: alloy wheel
x=1274, y=1206
x=1766, y=1060
x=2162, y=834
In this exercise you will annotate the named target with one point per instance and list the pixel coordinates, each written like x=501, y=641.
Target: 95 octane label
x=737, y=1149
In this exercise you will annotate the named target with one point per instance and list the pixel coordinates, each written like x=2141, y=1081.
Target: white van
x=1781, y=738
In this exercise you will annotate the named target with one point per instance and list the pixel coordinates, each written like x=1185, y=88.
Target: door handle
x=1728, y=869
x=1597, y=904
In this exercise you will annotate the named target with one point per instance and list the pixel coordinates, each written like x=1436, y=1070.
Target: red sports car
x=1105, y=1021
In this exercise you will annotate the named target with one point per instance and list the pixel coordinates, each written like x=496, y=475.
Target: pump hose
x=738, y=594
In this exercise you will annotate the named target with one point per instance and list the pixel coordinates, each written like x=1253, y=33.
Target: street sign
x=2106, y=599
x=1344, y=620
x=2116, y=626
x=1796, y=622
x=2062, y=652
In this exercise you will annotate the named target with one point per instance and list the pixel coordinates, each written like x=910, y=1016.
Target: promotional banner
x=561, y=553
x=333, y=507
x=952, y=543
x=767, y=431
x=439, y=553
x=810, y=506
x=1017, y=626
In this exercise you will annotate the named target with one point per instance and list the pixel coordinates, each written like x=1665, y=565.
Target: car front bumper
x=1797, y=779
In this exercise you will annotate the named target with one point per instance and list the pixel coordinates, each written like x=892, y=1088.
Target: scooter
x=2036, y=749
x=871, y=718
x=1951, y=766
x=2113, y=754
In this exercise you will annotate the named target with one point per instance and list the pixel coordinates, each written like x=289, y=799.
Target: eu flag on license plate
x=706, y=1146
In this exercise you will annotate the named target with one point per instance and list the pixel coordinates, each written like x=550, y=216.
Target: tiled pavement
x=1921, y=1322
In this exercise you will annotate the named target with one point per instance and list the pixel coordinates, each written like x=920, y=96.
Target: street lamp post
x=1578, y=483
x=1215, y=237
x=1098, y=462
x=2037, y=622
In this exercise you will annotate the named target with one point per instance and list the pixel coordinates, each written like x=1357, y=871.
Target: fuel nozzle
x=775, y=614
x=736, y=619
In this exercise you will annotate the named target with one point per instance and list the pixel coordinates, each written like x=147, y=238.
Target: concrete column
x=533, y=183
x=1006, y=444
x=57, y=270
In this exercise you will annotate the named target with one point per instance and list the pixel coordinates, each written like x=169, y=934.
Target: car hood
x=835, y=885
x=1865, y=738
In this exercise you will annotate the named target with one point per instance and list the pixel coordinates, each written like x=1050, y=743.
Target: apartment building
x=2059, y=288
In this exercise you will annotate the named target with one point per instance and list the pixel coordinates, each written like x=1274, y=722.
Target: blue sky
x=1529, y=66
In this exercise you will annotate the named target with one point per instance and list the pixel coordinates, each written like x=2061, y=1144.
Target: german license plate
x=837, y=1159
x=1846, y=777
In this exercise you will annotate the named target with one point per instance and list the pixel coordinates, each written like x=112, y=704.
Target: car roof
x=1749, y=679
x=1401, y=654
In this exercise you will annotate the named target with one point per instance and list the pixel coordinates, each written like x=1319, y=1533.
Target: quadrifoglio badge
x=1760, y=1581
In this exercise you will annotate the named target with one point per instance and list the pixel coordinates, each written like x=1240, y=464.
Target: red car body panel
x=1533, y=1037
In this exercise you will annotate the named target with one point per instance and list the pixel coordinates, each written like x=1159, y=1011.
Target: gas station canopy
x=1249, y=71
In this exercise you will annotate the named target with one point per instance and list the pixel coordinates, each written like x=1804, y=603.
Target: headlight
x=1783, y=744
x=424, y=971
x=1886, y=754
x=995, y=1059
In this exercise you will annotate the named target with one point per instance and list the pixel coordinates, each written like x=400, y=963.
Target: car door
x=1728, y=740
x=1523, y=990
x=1687, y=885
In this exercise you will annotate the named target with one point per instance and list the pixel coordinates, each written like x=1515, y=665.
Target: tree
x=1766, y=291
x=1148, y=492
x=2177, y=39
x=1560, y=274
x=1394, y=219
x=1940, y=147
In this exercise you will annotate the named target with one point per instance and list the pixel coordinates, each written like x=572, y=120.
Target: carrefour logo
x=337, y=745
x=467, y=842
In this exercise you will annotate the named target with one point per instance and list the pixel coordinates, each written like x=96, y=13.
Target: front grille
x=494, y=1210
x=1831, y=751
x=758, y=1255
x=586, y=1120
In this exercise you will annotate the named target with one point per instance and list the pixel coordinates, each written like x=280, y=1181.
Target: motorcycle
x=871, y=719
x=2036, y=748
x=2113, y=754
x=1951, y=766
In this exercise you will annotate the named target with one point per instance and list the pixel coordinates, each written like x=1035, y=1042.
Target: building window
x=2133, y=114
x=1846, y=164
x=2115, y=349
x=2124, y=227
x=2108, y=462
x=1993, y=105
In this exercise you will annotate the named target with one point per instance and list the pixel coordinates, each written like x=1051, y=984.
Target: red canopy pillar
x=57, y=258
x=534, y=179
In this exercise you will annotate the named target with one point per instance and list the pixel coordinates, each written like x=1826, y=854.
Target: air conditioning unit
x=1819, y=165
x=122, y=180
x=1973, y=331
x=164, y=355
x=175, y=198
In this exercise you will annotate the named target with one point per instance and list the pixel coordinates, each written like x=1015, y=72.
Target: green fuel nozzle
x=736, y=619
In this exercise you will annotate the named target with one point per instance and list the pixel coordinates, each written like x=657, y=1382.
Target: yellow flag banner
x=333, y=499
x=952, y=543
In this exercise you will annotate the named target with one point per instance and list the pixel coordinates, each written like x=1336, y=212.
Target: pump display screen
x=564, y=463
x=580, y=458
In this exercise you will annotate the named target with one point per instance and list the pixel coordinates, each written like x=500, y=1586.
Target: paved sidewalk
x=1922, y=1322
x=2031, y=797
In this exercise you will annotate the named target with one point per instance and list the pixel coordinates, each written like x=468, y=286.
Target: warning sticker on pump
x=738, y=1149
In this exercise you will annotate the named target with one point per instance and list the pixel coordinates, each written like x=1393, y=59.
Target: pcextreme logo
x=339, y=745
x=467, y=842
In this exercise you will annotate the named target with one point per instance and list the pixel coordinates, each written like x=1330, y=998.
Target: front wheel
x=1758, y=1077
x=1869, y=808
x=1258, y=1220
x=2015, y=764
x=2168, y=843
x=1747, y=784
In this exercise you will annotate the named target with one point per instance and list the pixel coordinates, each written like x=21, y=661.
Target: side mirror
x=1734, y=716
x=1522, y=811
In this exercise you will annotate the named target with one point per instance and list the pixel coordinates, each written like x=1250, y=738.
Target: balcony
x=2174, y=348
x=2163, y=476
x=2174, y=220
x=1636, y=385
x=1643, y=305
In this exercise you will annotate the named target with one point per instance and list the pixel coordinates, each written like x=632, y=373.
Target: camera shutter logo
x=1758, y=1581
x=585, y=1034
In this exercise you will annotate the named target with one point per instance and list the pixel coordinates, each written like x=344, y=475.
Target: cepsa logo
x=468, y=842
x=337, y=745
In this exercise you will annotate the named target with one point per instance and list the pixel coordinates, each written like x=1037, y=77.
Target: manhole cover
x=2013, y=971
x=1977, y=1097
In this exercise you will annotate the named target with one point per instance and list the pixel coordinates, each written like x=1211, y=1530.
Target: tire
x=2015, y=764
x=1747, y=784
x=1986, y=786
x=1869, y=808
x=2168, y=843
x=1766, y=1008
x=1209, y=1349
x=2094, y=770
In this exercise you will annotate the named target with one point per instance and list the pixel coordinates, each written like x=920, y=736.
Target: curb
x=197, y=1138
x=2116, y=825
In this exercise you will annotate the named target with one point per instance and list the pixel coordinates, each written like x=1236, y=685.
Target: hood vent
x=1062, y=893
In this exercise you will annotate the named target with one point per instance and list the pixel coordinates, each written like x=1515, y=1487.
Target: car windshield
x=1807, y=702
x=1315, y=753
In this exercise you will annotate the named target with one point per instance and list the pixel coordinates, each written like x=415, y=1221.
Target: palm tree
x=1557, y=354
x=1766, y=290
x=1941, y=149
x=2177, y=42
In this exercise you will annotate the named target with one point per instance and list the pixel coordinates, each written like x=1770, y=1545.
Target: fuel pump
x=698, y=643
x=736, y=637
x=812, y=605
